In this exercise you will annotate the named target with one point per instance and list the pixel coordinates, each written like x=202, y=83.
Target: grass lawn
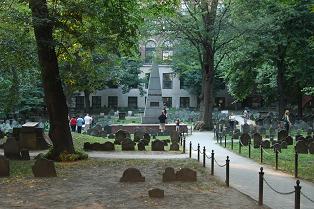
x=285, y=159
x=80, y=139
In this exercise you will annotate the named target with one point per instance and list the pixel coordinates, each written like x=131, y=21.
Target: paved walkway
x=244, y=175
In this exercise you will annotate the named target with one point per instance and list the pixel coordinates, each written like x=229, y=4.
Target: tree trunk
x=59, y=132
x=300, y=105
x=87, y=101
x=281, y=68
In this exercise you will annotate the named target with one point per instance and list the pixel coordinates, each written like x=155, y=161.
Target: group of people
x=162, y=120
x=77, y=123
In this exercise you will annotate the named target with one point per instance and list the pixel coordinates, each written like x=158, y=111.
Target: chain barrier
x=207, y=156
x=194, y=149
x=306, y=197
x=266, y=151
x=282, y=193
x=219, y=164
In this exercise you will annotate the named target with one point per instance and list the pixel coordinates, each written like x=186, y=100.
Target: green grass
x=285, y=159
x=80, y=139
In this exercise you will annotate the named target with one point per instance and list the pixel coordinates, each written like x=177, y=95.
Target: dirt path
x=94, y=184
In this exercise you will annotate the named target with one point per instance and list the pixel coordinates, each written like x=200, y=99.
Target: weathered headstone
x=236, y=134
x=138, y=135
x=169, y=175
x=156, y=193
x=282, y=134
x=277, y=147
x=301, y=147
x=257, y=140
x=246, y=128
x=132, y=175
x=311, y=148
x=25, y=154
x=12, y=149
x=174, y=147
x=175, y=138
x=289, y=140
x=262, y=130
x=186, y=174
x=4, y=167
x=284, y=145
x=128, y=145
x=108, y=146
x=146, y=136
x=44, y=168
x=120, y=136
x=245, y=139
x=107, y=129
x=157, y=145
x=141, y=145
x=266, y=144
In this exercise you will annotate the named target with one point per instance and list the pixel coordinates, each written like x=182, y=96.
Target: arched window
x=150, y=48
x=167, y=52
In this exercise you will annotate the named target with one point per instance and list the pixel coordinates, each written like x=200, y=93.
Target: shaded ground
x=95, y=184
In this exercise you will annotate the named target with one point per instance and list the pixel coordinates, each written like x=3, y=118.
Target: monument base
x=150, y=120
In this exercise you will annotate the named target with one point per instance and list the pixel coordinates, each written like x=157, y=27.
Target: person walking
x=88, y=122
x=79, y=124
x=286, y=120
x=73, y=123
x=162, y=119
x=178, y=125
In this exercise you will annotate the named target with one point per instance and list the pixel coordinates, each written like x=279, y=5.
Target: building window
x=150, y=49
x=167, y=101
x=132, y=102
x=79, y=102
x=184, y=102
x=154, y=104
x=167, y=80
x=167, y=52
x=147, y=75
x=96, y=102
x=183, y=84
x=112, y=101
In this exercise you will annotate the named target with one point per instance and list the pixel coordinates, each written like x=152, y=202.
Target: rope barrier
x=282, y=193
x=207, y=156
x=306, y=197
x=219, y=164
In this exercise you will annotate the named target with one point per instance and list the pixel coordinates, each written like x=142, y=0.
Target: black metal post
x=249, y=150
x=190, y=154
x=239, y=147
x=225, y=140
x=260, y=192
x=261, y=147
x=232, y=143
x=277, y=159
x=204, y=155
x=198, y=152
x=212, y=163
x=227, y=171
x=296, y=165
x=297, y=198
x=191, y=128
x=184, y=145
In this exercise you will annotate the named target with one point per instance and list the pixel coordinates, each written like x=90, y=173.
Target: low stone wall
x=150, y=128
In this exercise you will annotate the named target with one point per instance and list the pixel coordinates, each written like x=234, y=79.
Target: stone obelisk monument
x=154, y=102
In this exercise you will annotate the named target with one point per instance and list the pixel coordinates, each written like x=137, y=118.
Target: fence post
x=212, y=164
x=198, y=152
x=227, y=171
x=239, y=147
x=249, y=150
x=296, y=164
x=261, y=147
x=190, y=154
x=184, y=145
x=204, y=154
x=260, y=192
x=277, y=159
x=191, y=128
x=226, y=140
x=232, y=142
x=297, y=195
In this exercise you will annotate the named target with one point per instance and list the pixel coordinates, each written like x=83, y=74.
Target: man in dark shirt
x=162, y=119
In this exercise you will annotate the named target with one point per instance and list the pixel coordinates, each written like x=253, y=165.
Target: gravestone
x=157, y=145
x=141, y=145
x=245, y=139
x=120, y=136
x=44, y=168
x=156, y=193
x=138, y=135
x=186, y=174
x=2, y=134
x=103, y=134
x=289, y=140
x=266, y=144
x=128, y=145
x=301, y=147
x=111, y=136
x=132, y=175
x=311, y=148
x=245, y=128
x=174, y=147
x=257, y=140
x=122, y=115
x=108, y=146
x=146, y=136
x=282, y=134
x=107, y=129
x=277, y=147
x=236, y=134
x=262, y=130
x=175, y=137
x=284, y=145
x=165, y=141
x=12, y=149
x=308, y=139
x=4, y=167
x=169, y=175
x=272, y=132
x=25, y=154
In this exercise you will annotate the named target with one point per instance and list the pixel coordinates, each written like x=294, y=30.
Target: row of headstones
x=12, y=150
x=303, y=145
x=41, y=168
x=157, y=145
